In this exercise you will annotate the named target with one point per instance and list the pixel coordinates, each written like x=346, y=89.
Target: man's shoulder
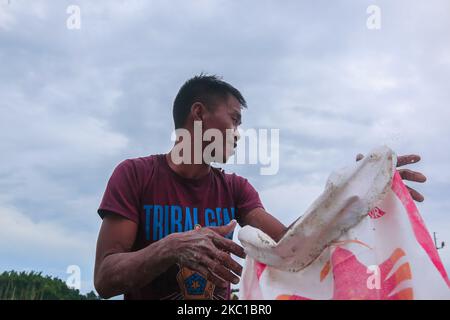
x=145, y=160
x=140, y=164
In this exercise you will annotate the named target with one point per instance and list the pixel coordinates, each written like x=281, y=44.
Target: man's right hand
x=207, y=251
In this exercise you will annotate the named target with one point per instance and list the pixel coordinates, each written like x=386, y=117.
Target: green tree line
x=34, y=286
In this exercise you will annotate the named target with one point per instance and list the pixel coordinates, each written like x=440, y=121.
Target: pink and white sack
x=362, y=238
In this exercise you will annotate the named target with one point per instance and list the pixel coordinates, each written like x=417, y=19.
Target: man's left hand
x=407, y=174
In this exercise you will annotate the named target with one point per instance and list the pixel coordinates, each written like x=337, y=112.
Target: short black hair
x=205, y=89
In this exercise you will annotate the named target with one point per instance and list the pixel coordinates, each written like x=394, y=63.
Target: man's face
x=226, y=117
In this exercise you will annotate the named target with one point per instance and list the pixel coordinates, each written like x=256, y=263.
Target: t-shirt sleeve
x=247, y=198
x=122, y=193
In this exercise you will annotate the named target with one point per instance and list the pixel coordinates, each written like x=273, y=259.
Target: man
x=167, y=224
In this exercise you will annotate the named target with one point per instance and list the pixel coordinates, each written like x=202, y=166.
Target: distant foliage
x=34, y=286
x=234, y=294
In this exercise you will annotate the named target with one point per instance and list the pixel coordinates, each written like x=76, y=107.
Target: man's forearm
x=121, y=272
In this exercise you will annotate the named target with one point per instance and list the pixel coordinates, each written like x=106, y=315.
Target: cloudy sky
x=76, y=102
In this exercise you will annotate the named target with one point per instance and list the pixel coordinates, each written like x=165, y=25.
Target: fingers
x=203, y=269
x=226, y=229
x=407, y=174
x=226, y=260
x=216, y=265
x=229, y=246
x=217, y=268
x=401, y=160
x=410, y=175
x=407, y=159
x=415, y=195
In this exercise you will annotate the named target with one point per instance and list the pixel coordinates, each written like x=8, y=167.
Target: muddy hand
x=407, y=174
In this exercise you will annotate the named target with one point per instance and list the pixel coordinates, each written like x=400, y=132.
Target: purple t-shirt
x=147, y=191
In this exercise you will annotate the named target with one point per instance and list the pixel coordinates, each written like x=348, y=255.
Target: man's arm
x=118, y=270
x=271, y=226
x=261, y=219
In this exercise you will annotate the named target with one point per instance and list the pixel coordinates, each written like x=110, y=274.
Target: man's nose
x=237, y=135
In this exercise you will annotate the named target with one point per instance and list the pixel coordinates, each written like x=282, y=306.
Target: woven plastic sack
x=363, y=238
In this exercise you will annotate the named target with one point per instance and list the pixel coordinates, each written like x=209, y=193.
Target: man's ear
x=198, y=110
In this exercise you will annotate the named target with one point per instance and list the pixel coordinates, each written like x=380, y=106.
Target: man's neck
x=190, y=171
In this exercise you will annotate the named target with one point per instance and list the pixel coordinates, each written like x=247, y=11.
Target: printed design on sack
x=193, y=285
x=351, y=278
x=376, y=213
